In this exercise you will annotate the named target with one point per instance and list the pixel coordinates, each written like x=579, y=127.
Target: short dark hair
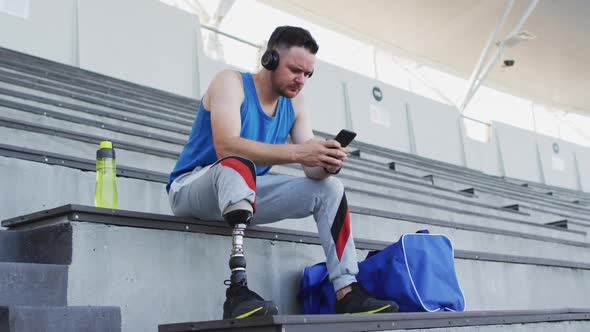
x=292, y=36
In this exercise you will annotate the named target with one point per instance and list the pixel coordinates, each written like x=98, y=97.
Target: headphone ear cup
x=270, y=60
x=265, y=59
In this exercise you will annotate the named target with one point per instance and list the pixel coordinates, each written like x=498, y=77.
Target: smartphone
x=344, y=137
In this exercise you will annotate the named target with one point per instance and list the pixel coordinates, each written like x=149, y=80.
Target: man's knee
x=332, y=187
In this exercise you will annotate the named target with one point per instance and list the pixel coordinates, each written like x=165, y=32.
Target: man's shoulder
x=226, y=81
x=228, y=75
x=227, y=84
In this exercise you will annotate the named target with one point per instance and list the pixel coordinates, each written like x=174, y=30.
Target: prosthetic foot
x=240, y=301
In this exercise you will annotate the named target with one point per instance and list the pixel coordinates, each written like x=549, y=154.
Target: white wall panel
x=483, y=156
x=324, y=98
x=583, y=166
x=558, y=162
x=381, y=122
x=518, y=150
x=142, y=41
x=46, y=29
x=436, y=130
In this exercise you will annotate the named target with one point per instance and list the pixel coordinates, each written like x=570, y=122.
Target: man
x=240, y=131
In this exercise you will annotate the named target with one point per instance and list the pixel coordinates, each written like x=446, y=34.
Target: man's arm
x=302, y=133
x=223, y=100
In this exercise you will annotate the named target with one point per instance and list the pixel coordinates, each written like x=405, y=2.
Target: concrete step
x=31, y=284
x=154, y=199
x=51, y=245
x=86, y=150
x=108, y=84
x=563, y=208
x=484, y=321
x=372, y=195
x=539, y=210
x=89, y=118
x=562, y=197
x=426, y=210
x=545, y=217
x=441, y=163
x=352, y=179
x=455, y=183
x=60, y=319
x=451, y=200
x=75, y=93
x=380, y=225
x=409, y=200
x=81, y=125
x=367, y=224
x=546, y=188
x=51, y=186
x=141, y=117
x=42, y=77
x=41, y=133
x=116, y=251
x=423, y=166
x=356, y=178
x=22, y=136
x=534, y=207
x=380, y=202
x=103, y=82
x=460, y=180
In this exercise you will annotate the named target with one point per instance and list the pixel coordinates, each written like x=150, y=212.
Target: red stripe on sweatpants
x=244, y=171
x=343, y=235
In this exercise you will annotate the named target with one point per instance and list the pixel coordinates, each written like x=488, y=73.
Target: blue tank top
x=256, y=126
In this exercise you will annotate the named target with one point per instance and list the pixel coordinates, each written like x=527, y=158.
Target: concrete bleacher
x=173, y=59
x=143, y=260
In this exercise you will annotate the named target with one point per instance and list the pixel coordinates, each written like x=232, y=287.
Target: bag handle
x=375, y=252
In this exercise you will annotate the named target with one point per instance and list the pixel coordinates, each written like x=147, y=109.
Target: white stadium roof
x=552, y=68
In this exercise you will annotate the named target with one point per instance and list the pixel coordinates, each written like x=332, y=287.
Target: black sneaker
x=358, y=301
x=241, y=302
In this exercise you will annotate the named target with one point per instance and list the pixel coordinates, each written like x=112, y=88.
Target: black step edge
x=47, y=245
x=383, y=322
x=60, y=319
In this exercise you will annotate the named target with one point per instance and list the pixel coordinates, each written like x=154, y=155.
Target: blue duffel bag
x=417, y=272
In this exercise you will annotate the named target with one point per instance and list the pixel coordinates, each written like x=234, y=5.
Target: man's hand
x=322, y=153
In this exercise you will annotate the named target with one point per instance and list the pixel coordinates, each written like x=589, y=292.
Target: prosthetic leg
x=240, y=301
x=239, y=221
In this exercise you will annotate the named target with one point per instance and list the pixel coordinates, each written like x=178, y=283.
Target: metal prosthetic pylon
x=239, y=220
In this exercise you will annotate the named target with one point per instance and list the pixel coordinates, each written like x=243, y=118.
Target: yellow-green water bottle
x=105, y=195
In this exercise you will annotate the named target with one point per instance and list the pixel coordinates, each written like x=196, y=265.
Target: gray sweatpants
x=205, y=192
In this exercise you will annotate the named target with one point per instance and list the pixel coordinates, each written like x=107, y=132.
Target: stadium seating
x=521, y=248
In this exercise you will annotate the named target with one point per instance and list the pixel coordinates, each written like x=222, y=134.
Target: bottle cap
x=105, y=150
x=106, y=145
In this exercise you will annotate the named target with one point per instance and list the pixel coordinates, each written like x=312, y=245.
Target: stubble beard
x=277, y=87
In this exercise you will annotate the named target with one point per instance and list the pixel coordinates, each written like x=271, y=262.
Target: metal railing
x=231, y=36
